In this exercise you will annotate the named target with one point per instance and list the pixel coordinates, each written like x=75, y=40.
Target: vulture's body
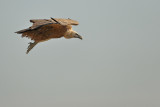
x=46, y=29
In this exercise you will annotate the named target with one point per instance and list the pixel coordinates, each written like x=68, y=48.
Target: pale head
x=72, y=34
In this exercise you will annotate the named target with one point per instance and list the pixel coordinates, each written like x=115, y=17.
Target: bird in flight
x=46, y=29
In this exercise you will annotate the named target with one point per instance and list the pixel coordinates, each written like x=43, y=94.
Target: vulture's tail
x=31, y=45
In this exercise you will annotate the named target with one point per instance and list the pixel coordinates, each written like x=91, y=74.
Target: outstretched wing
x=42, y=22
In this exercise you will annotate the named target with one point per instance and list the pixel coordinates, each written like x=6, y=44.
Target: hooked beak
x=78, y=36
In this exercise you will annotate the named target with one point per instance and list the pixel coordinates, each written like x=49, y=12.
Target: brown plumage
x=46, y=29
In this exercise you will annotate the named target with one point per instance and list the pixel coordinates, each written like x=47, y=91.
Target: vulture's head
x=76, y=35
x=72, y=34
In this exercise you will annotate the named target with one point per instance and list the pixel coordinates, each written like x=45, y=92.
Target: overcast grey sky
x=117, y=64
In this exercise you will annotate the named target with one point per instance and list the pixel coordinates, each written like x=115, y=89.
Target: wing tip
x=22, y=31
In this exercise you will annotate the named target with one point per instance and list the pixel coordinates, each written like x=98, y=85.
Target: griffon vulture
x=46, y=29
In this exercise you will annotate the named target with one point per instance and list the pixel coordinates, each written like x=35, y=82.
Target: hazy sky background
x=117, y=64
